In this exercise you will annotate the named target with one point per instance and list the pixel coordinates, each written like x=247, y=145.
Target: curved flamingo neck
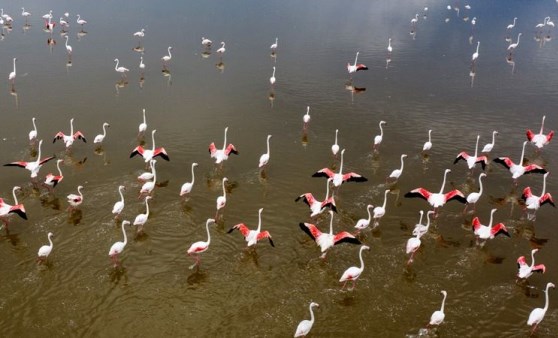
x=368, y=210
x=402, y=163
x=14, y=194
x=208, y=233
x=124, y=233
x=51, y=245
x=259, y=220
x=518, y=36
x=444, y=182
x=493, y=137
x=121, y=195
x=491, y=217
x=104, y=128
x=381, y=130
x=533, y=258
x=193, y=177
x=169, y=50
x=546, y=297
x=60, y=171
x=273, y=75
x=341, y=165
x=66, y=41
x=153, y=139
x=115, y=66
x=224, y=190
x=443, y=302
x=385, y=199
x=421, y=215
x=34, y=125
x=312, y=314
x=480, y=184
x=430, y=136
x=360, y=257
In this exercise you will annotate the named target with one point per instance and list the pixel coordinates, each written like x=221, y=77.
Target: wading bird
x=540, y=139
x=34, y=166
x=45, y=250
x=149, y=154
x=305, y=326
x=198, y=247
x=117, y=248
x=517, y=170
x=69, y=139
x=537, y=315
x=437, y=200
x=339, y=178
x=352, y=273
x=221, y=155
x=253, y=236
x=525, y=271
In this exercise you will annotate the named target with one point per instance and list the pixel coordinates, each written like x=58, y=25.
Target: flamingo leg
x=196, y=262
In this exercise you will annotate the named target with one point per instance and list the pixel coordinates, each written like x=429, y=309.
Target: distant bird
x=340, y=178
x=7, y=209
x=474, y=21
x=380, y=211
x=474, y=197
x=273, y=46
x=305, y=326
x=335, y=146
x=272, y=78
x=117, y=248
x=352, y=273
x=355, y=67
x=525, y=271
x=69, y=139
x=187, y=187
x=540, y=139
x=534, y=202
x=75, y=200
x=33, y=133
x=414, y=20
x=316, y=206
x=119, y=205
x=395, y=174
x=264, y=159
x=222, y=49
x=52, y=180
x=64, y=23
x=421, y=228
x=476, y=54
x=221, y=200
x=141, y=65
x=327, y=240
x=12, y=75
x=485, y=232
x=99, y=138
x=472, y=160
x=140, y=34
x=306, y=118
x=45, y=250
x=25, y=14
x=198, y=247
x=437, y=200
x=517, y=170
x=121, y=70
x=222, y=154
x=437, y=317
x=413, y=244
x=537, y=315
x=148, y=187
x=168, y=57
x=253, y=236
x=80, y=21
x=363, y=223
x=389, y=48
x=428, y=144
x=513, y=46
x=206, y=42
x=141, y=219
x=48, y=15
x=378, y=138
x=148, y=154
x=511, y=26
x=68, y=47
x=488, y=147
x=34, y=166
x=143, y=126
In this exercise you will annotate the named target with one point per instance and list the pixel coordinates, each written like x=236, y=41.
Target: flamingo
x=541, y=25
x=99, y=138
x=414, y=20
x=63, y=23
x=141, y=65
x=48, y=15
x=378, y=138
x=80, y=21
x=221, y=155
x=6, y=209
x=428, y=144
x=206, y=42
x=540, y=139
x=537, y=315
x=363, y=223
x=379, y=212
x=253, y=236
x=221, y=200
x=534, y=202
x=69, y=139
x=474, y=197
x=511, y=26
x=49, y=25
x=421, y=228
x=355, y=67
x=140, y=34
x=222, y=49
x=340, y=178
x=34, y=166
x=149, y=154
x=68, y=47
x=335, y=146
x=395, y=174
x=488, y=147
x=119, y=205
x=121, y=70
x=517, y=170
x=141, y=219
x=52, y=180
x=413, y=243
x=273, y=46
x=167, y=58
x=25, y=14
x=33, y=133
x=117, y=248
x=327, y=240
x=305, y=326
x=187, y=187
x=148, y=175
x=12, y=75
x=485, y=232
x=143, y=126
x=438, y=316
x=472, y=160
x=476, y=54
x=525, y=271
x=306, y=118
x=549, y=23
x=198, y=247
x=389, y=48
x=45, y=250
x=147, y=187
x=75, y=200
x=354, y=272
x=317, y=207
x=513, y=46
x=437, y=200
x=264, y=159
x=272, y=78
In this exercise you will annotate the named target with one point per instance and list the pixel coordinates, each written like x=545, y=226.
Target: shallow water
x=266, y=291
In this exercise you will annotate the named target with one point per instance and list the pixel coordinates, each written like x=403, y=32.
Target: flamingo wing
x=212, y=148
x=547, y=198
x=231, y=149
x=483, y=160
x=20, y=210
x=540, y=268
x=461, y=156
x=21, y=164
x=419, y=192
x=46, y=159
x=455, y=195
x=505, y=161
x=330, y=202
x=549, y=136
x=526, y=193
x=79, y=136
x=498, y=229
x=59, y=136
x=530, y=134
x=353, y=177
x=240, y=227
x=476, y=224
x=534, y=168
x=345, y=237
x=325, y=172
x=361, y=66
x=308, y=198
x=161, y=152
x=265, y=234
x=311, y=230
x=137, y=151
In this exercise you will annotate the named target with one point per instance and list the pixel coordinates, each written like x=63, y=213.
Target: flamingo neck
x=224, y=190
x=259, y=221
x=385, y=199
x=336, y=132
x=79, y=192
x=544, y=185
x=144, y=121
x=124, y=233
x=193, y=177
x=59, y=170
x=104, y=128
x=169, y=50
x=153, y=139
x=546, y=298
x=402, y=163
x=542, y=125
x=369, y=215
x=477, y=147
x=360, y=257
x=491, y=217
x=121, y=195
x=39, y=153
x=72, y=127
x=480, y=184
x=154, y=173
x=268, y=146
x=312, y=313
x=522, y=154
x=208, y=234
x=493, y=137
x=34, y=125
x=14, y=194
x=443, y=302
x=532, y=258
x=428, y=220
x=518, y=36
x=478, y=44
x=381, y=130
x=430, y=136
x=331, y=224
x=341, y=165
x=146, y=207
x=444, y=182
x=225, y=139
x=51, y=245
x=356, y=58
x=327, y=190
x=66, y=41
x=116, y=66
x=273, y=75
x=14, y=65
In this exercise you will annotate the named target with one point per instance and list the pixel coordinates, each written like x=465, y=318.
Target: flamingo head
x=194, y=164
x=126, y=222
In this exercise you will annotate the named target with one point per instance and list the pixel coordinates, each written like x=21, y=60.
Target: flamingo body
x=525, y=270
x=253, y=236
x=149, y=154
x=221, y=155
x=34, y=166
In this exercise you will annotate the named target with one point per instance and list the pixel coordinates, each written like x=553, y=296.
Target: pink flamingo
x=339, y=178
x=540, y=139
x=437, y=200
x=198, y=247
x=524, y=270
x=253, y=236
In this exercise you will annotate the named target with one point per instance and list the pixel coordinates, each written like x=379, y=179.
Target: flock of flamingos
x=325, y=240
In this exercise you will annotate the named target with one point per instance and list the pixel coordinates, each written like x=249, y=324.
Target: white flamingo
x=379, y=212
x=378, y=138
x=99, y=138
x=537, y=315
x=119, y=205
x=488, y=147
x=141, y=219
x=395, y=174
x=264, y=159
x=363, y=223
x=474, y=197
x=221, y=200
x=305, y=326
x=335, y=146
x=187, y=187
x=33, y=133
x=117, y=248
x=45, y=250
x=428, y=144
x=438, y=316
x=354, y=272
